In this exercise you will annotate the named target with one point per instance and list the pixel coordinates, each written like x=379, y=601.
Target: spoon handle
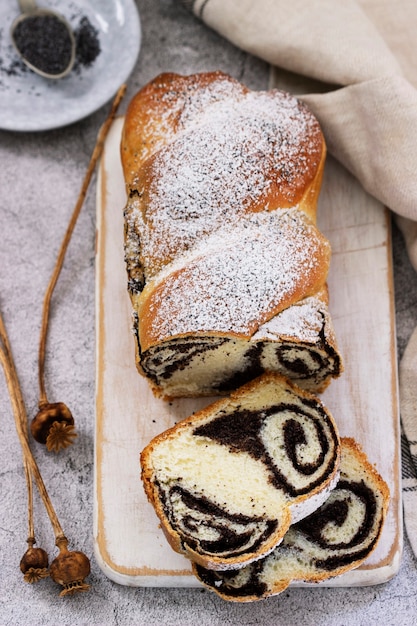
x=27, y=6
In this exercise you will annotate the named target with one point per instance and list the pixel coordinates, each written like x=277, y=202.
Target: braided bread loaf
x=336, y=538
x=226, y=267
x=227, y=482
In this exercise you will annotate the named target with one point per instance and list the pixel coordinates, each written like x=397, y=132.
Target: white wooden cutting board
x=129, y=546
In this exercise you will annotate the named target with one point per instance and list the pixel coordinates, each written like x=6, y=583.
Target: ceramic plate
x=109, y=30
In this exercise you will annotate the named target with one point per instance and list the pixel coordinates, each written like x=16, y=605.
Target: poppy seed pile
x=87, y=49
x=43, y=41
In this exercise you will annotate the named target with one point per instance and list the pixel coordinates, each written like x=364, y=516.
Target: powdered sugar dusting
x=262, y=263
x=237, y=152
x=303, y=320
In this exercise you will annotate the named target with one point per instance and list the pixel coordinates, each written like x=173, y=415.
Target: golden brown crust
x=152, y=117
x=168, y=112
x=350, y=444
x=165, y=306
x=165, y=108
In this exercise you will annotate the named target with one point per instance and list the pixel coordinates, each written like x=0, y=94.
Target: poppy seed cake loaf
x=226, y=267
x=336, y=538
x=227, y=482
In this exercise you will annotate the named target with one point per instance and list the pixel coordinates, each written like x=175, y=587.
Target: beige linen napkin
x=367, y=51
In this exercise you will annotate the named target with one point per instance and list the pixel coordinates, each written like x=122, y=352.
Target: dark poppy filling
x=241, y=431
x=235, y=533
x=309, y=366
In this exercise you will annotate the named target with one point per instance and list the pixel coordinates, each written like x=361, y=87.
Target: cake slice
x=334, y=539
x=227, y=482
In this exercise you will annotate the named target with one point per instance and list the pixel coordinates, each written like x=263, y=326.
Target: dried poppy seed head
x=34, y=564
x=69, y=569
x=53, y=425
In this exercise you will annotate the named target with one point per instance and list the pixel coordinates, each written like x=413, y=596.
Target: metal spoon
x=32, y=34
